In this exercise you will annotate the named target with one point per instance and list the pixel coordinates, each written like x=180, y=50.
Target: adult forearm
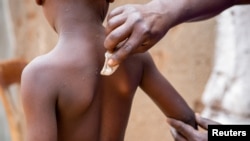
x=193, y=10
x=242, y=2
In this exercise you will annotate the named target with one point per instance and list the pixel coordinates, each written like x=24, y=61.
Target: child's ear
x=40, y=2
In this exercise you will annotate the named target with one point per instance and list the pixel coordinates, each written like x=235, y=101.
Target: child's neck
x=80, y=29
x=76, y=16
x=84, y=25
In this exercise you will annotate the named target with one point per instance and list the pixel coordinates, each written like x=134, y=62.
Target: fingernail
x=111, y=62
x=197, y=114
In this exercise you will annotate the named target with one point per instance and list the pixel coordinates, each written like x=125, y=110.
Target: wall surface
x=184, y=56
x=6, y=49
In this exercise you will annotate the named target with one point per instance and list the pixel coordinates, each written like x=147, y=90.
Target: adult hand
x=184, y=132
x=135, y=28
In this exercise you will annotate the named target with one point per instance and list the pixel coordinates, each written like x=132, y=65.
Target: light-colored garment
x=227, y=94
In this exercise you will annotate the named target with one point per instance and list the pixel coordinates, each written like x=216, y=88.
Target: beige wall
x=183, y=56
x=34, y=36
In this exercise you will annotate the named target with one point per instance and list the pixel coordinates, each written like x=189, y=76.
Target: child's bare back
x=64, y=96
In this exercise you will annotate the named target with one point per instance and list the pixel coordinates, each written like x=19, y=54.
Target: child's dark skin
x=64, y=96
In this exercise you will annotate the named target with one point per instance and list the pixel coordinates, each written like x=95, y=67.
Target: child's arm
x=164, y=95
x=39, y=105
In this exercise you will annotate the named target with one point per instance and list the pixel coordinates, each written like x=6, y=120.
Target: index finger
x=114, y=12
x=126, y=49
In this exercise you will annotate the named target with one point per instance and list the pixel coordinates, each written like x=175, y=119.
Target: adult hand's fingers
x=204, y=122
x=114, y=22
x=126, y=48
x=184, y=129
x=138, y=25
x=115, y=18
x=176, y=135
x=120, y=25
x=117, y=29
x=115, y=12
x=117, y=36
x=130, y=27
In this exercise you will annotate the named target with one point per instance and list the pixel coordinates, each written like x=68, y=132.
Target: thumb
x=120, y=55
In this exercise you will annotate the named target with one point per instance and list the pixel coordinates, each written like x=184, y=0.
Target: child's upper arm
x=164, y=94
x=39, y=104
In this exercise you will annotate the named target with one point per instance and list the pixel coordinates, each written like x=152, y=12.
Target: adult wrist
x=196, y=10
x=170, y=10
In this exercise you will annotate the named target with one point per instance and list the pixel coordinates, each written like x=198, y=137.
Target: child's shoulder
x=37, y=79
x=40, y=68
x=38, y=63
